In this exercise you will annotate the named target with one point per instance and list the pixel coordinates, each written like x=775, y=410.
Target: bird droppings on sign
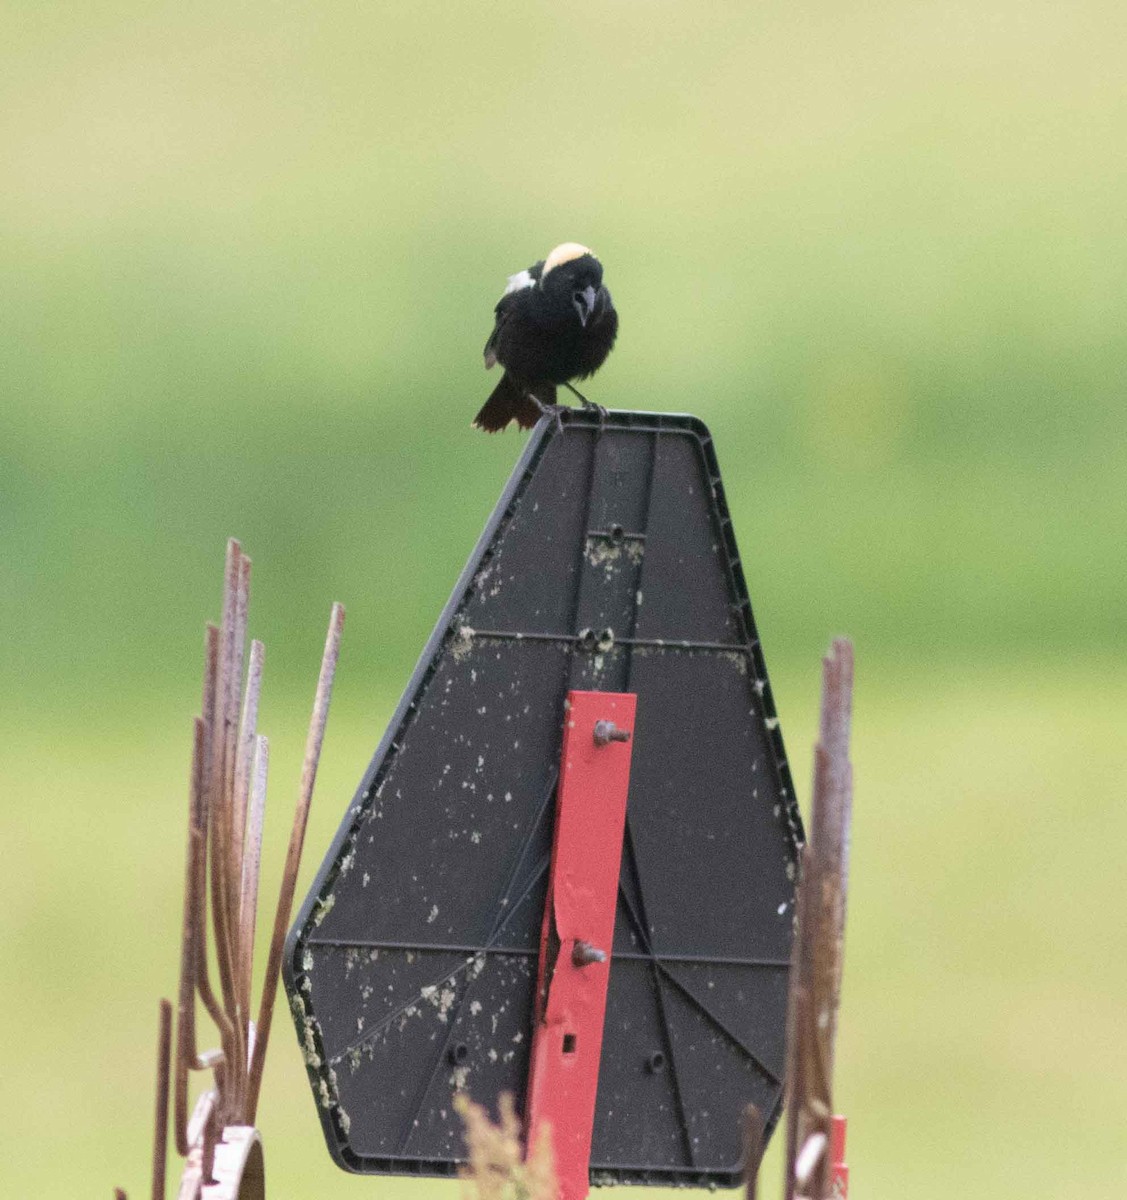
x=738, y=659
x=609, y=555
x=460, y=646
x=458, y=1078
x=309, y=1031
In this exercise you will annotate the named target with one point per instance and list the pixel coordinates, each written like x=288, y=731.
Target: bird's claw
x=555, y=411
x=591, y=406
x=588, y=405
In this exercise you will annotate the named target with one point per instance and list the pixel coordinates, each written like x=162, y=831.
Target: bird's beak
x=584, y=302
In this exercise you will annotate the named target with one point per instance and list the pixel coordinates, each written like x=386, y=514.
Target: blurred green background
x=247, y=262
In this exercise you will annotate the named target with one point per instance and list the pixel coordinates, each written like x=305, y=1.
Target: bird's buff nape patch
x=567, y=252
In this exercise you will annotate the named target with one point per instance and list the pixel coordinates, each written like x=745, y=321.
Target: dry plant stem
x=252, y=857
x=160, y=1123
x=313, y=744
x=496, y=1168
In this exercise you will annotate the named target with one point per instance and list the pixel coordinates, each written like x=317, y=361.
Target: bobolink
x=555, y=322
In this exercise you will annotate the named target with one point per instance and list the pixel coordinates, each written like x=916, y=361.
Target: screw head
x=583, y=954
x=606, y=732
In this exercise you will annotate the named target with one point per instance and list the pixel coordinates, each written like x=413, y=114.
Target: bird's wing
x=502, y=313
x=503, y=310
x=527, y=278
x=519, y=281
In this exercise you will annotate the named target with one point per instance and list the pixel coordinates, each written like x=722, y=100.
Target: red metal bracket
x=575, y=942
x=839, y=1171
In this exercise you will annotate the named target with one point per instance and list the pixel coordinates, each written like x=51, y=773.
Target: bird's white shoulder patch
x=519, y=281
x=567, y=252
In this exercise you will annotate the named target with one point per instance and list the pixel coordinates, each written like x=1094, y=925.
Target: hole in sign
x=569, y=1043
x=458, y=1053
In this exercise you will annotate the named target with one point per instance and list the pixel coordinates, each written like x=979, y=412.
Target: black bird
x=555, y=322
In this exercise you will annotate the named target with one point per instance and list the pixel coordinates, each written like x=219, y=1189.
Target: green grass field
x=247, y=261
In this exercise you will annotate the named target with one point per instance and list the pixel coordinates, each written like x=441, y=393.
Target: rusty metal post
x=313, y=744
x=160, y=1122
x=815, y=988
x=753, y=1150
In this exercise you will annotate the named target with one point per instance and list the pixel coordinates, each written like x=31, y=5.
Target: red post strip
x=578, y=929
x=839, y=1172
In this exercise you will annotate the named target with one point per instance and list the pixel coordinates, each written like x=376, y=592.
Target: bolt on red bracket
x=578, y=929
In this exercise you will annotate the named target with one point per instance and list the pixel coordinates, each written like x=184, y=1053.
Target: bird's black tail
x=510, y=401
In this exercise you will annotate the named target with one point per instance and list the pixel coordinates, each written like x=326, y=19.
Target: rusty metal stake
x=313, y=743
x=160, y=1123
x=227, y=797
x=248, y=908
x=817, y=955
x=753, y=1150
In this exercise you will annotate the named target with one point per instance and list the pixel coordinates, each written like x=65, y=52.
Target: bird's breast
x=553, y=351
